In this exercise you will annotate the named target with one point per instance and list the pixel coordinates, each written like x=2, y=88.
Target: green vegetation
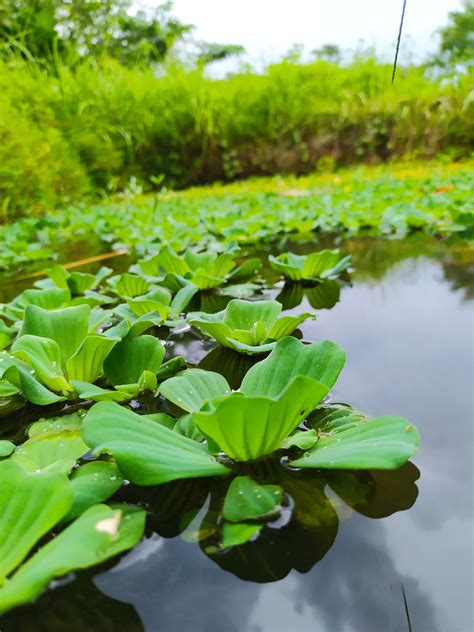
x=384, y=200
x=100, y=126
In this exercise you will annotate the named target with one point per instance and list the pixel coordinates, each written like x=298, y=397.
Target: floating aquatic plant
x=313, y=267
x=205, y=270
x=248, y=326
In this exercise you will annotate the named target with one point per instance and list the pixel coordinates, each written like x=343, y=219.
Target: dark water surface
x=347, y=565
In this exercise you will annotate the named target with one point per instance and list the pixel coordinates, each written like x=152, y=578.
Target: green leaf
x=381, y=443
x=172, y=262
x=147, y=453
x=95, y=393
x=20, y=375
x=57, y=452
x=302, y=439
x=322, y=361
x=68, y=327
x=170, y=368
x=234, y=534
x=55, y=425
x=30, y=505
x=6, y=448
x=44, y=356
x=247, y=428
x=248, y=500
x=52, y=298
x=100, y=533
x=86, y=364
x=92, y=483
x=129, y=285
x=247, y=326
x=311, y=267
x=130, y=357
x=192, y=388
x=79, y=282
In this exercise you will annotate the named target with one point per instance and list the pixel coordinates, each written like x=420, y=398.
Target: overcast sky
x=268, y=28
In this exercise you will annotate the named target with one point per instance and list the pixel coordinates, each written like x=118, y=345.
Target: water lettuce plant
x=248, y=326
x=59, y=354
x=275, y=397
x=205, y=270
x=312, y=267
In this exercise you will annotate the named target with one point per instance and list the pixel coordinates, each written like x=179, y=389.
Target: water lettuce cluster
x=83, y=346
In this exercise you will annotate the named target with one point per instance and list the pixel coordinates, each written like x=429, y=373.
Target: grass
x=89, y=131
x=391, y=200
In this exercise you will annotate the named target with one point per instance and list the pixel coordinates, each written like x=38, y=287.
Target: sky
x=268, y=28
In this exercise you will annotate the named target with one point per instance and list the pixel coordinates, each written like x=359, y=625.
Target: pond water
x=363, y=552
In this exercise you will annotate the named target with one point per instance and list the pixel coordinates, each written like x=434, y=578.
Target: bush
x=93, y=128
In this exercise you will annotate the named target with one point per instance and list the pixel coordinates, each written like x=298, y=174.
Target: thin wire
x=398, y=41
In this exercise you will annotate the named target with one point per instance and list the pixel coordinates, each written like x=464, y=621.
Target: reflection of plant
x=312, y=267
x=247, y=326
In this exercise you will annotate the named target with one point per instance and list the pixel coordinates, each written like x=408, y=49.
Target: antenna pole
x=398, y=41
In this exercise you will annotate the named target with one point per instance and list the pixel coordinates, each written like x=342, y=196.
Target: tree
x=81, y=28
x=329, y=52
x=457, y=38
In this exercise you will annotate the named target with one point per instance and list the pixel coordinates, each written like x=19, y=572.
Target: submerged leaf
x=234, y=534
x=248, y=500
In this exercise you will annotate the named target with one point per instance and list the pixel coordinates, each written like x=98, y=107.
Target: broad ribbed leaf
x=130, y=357
x=79, y=282
x=100, y=533
x=317, y=263
x=30, y=505
x=87, y=363
x=192, y=388
x=172, y=262
x=146, y=452
x=248, y=500
x=44, y=356
x=381, y=443
x=322, y=361
x=286, y=325
x=247, y=428
x=240, y=314
x=53, y=298
x=129, y=285
x=68, y=326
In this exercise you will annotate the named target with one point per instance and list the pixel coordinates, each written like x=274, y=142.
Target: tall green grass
x=91, y=129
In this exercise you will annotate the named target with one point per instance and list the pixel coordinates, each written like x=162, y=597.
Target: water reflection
x=320, y=296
